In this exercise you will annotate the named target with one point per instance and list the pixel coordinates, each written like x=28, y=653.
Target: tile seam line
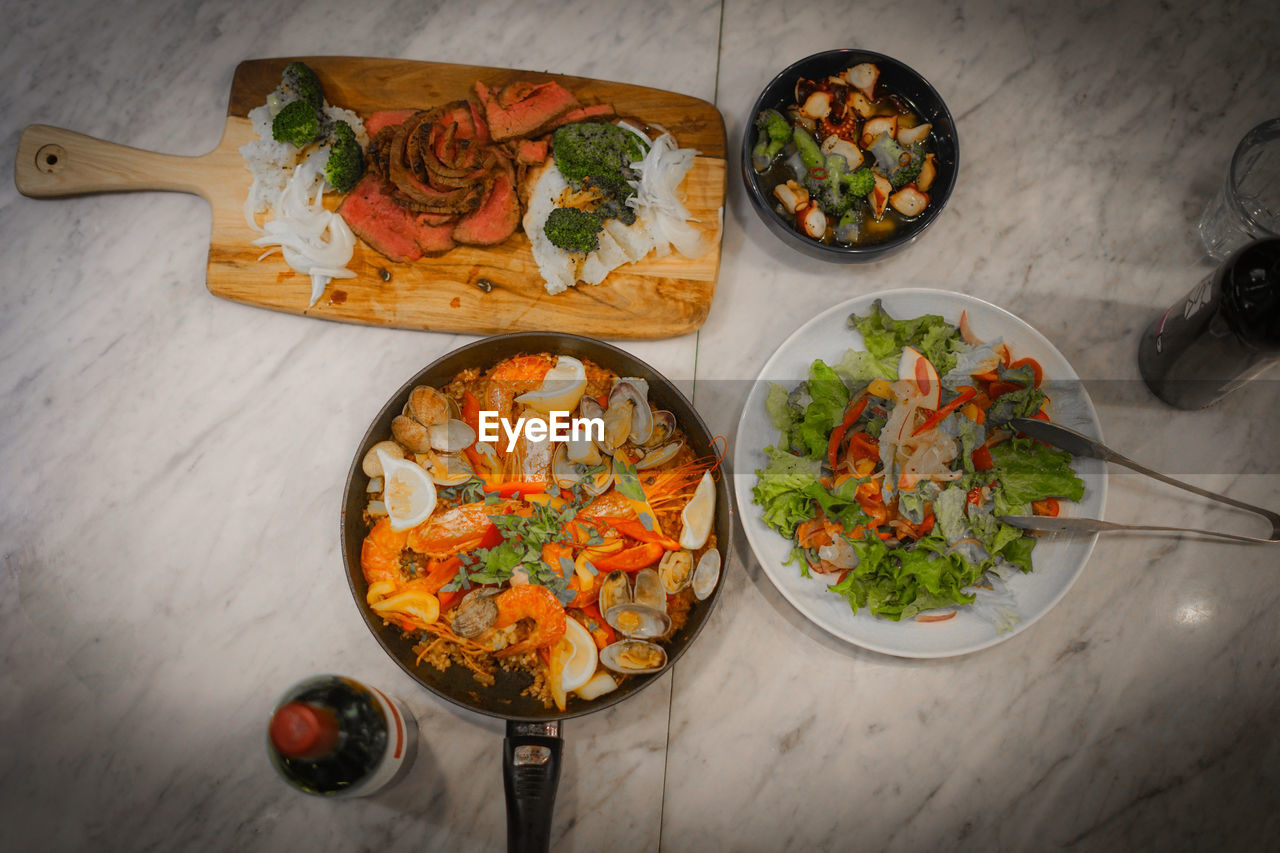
x=697, y=346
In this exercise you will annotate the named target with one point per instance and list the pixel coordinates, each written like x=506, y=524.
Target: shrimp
x=514, y=376
x=611, y=503
x=459, y=529
x=538, y=603
x=380, y=553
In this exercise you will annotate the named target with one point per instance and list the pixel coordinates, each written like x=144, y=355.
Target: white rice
x=272, y=163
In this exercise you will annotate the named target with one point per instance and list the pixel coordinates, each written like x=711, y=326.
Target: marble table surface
x=173, y=462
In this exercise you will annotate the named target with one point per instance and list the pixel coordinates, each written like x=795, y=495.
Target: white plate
x=1058, y=560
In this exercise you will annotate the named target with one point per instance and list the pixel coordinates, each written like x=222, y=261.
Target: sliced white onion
x=657, y=202
x=299, y=226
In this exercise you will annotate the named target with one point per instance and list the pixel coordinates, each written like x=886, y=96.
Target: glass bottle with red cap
x=336, y=737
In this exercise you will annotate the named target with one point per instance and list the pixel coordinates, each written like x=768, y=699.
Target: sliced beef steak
x=497, y=217
x=535, y=107
x=377, y=219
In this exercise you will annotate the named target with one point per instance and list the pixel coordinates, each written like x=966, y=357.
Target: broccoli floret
x=346, y=161
x=599, y=155
x=297, y=123
x=774, y=132
x=830, y=193
x=861, y=182
x=300, y=83
x=810, y=153
x=907, y=172
x=573, y=230
x=846, y=230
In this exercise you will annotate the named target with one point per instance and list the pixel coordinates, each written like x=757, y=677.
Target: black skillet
x=531, y=755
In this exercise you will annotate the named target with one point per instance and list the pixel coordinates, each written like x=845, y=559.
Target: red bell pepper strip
x=937, y=417
x=636, y=530
x=471, y=417
x=851, y=415
x=982, y=460
x=492, y=537
x=863, y=446
x=1048, y=506
x=514, y=487
x=440, y=573
x=630, y=560
x=447, y=599
x=1001, y=388
x=598, y=628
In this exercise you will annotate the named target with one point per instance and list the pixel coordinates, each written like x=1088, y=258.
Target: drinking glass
x=1247, y=208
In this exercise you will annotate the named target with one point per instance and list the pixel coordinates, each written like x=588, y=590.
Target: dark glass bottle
x=1223, y=333
x=333, y=736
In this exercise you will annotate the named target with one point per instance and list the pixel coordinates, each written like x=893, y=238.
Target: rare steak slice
x=536, y=106
x=496, y=218
x=388, y=227
x=385, y=118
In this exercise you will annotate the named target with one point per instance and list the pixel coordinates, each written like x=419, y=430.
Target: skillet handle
x=530, y=775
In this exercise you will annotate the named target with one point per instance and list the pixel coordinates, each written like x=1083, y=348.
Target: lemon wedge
x=573, y=661
x=696, y=517
x=561, y=388
x=407, y=492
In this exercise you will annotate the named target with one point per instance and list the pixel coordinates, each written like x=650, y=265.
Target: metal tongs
x=1081, y=445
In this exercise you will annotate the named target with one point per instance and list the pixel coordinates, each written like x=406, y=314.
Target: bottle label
x=400, y=731
x=1200, y=296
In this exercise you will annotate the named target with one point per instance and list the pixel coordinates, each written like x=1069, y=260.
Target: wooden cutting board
x=469, y=289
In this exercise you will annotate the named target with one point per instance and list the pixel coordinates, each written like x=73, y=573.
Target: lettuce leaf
x=1022, y=403
x=780, y=411
x=829, y=397
x=1027, y=471
x=885, y=337
x=859, y=367
x=781, y=490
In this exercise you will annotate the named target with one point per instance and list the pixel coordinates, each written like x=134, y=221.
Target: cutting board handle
x=54, y=162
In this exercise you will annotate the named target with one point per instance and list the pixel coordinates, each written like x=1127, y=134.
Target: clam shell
x=370, y=464
x=427, y=406
x=659, y=455
x=451, y=436
x=568, y=474
x=636, y=391
x=636, y=620
x=676, y=570
x=647, y=590
x=706, y=575
x=633, y=657
x=664, y=424
x=411, y=434
x=615, y=589
x=475, y=614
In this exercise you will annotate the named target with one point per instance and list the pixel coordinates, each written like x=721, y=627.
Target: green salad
x=893, y=463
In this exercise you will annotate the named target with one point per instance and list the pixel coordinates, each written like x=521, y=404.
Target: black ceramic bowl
x=895, y=78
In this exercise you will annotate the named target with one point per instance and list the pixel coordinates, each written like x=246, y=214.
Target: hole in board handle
x=49, y=158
